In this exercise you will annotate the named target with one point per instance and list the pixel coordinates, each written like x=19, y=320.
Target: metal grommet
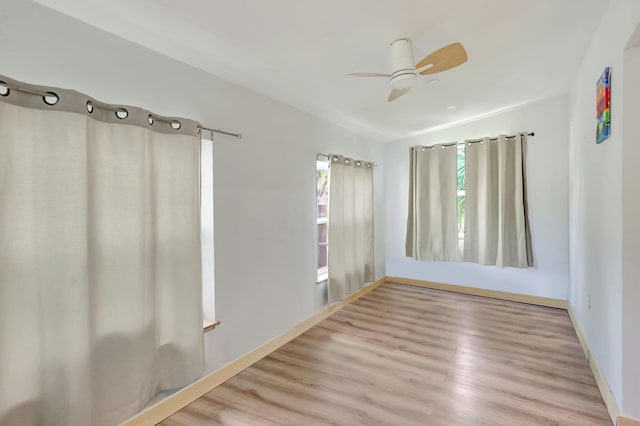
x=4, y=89
x=150, y=120
x=89, y=107
x=175, y=124
x=50, y=98
x=122, y=113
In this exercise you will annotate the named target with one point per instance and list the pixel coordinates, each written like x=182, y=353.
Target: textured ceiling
x=299, y=51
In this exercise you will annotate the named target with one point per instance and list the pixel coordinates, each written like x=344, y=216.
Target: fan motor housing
x=402, y=65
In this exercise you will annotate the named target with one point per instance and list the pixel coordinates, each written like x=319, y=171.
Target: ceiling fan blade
x=443, y=59
x=396, y=93
x=369, y=74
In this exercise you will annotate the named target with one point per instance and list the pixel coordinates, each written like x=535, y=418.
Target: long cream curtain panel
x=432, y=227
x=496, y=228
x=351, y=260
x=100, y=274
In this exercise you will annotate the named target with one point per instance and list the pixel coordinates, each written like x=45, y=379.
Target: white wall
x=596, y=202
x=631, y=234
x=547, y=177
x=264, y=184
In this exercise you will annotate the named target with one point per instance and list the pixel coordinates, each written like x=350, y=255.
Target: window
x=322, y=218
x=206, y=234
x=461, y=195
x=490, y=227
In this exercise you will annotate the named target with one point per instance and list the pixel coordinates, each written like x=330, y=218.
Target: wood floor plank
x=404, y=355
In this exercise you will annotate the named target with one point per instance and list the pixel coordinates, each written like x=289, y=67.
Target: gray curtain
x=432, y=230
x=351, y=261
x=496, y=229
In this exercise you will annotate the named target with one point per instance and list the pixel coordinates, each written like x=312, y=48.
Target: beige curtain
x=432, y=224
x=100, y=274
x=351, y=263
x=495, y=215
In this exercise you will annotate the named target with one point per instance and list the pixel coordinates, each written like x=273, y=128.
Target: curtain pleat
x=432, y=230
x=495, y=217
x=100, y=273
x=351, y=261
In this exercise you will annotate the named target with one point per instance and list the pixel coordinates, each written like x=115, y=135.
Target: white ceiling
x=299, y=51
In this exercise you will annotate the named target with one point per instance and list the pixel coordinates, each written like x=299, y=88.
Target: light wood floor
x=405, y=355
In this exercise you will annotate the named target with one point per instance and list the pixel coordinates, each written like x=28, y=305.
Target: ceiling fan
x=404, y=73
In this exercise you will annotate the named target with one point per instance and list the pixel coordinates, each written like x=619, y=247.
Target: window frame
x=322, y=272
x=207, y=232
x=461, y=191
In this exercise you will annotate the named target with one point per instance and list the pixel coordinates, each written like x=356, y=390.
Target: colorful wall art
x=603, y=106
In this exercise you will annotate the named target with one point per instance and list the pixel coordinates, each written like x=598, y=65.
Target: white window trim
x=322, y=274
x=207, y=233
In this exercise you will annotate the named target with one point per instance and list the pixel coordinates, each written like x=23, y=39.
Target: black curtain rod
x=467, y=142
x=495, y=139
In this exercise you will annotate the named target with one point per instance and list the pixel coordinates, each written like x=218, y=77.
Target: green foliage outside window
x=461, y=195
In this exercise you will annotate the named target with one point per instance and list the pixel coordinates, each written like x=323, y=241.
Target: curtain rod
x=495, y=139
x=114, y=109
x=222, y=132
x=470, y=141
x=328, y=156
x=170, y=122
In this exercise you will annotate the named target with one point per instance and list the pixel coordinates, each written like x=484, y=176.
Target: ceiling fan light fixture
x=401, y=55
x=402, y=64
x=404, y=73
